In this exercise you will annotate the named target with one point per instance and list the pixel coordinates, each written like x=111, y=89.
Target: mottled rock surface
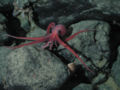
x=34, y=68
x=3, y=33
x=107, y=6
x=92, y=46
x=110, y=84
x=5, y=2
x=83, y=87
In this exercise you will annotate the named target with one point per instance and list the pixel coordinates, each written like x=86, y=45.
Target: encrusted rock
x=34, y=68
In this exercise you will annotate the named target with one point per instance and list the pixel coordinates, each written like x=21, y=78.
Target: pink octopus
x=51, y=38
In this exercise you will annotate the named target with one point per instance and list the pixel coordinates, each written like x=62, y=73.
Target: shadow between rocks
x=13, y=25
x=114, y=43
x=75, y=79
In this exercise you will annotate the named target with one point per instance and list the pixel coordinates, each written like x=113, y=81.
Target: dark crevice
x=18, y=88
x=55, y=10
x=75, y=79
x=2, y=87
x=12, y=24
x=114, y=42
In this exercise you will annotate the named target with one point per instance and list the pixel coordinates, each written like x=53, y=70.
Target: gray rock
x=105, y=87
x=2, y=18
x=68, y=12
x=92, y=45
x=36, y=31
x=107, y=6
x=100, y=77
x=108, y=85
x=24, y=15
x=116, y=69
x=5, y=2
x=83, y=87
x=22, y=3
x=34, y=68
x=3, y=63
x=3, y=33
x=24, y=20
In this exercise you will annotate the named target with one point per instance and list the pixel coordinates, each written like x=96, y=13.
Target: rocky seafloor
x=33, y=68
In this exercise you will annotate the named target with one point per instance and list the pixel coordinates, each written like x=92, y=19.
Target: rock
x=24, y=20
x=92, y=46
x=116, y=69
x=61, y=13
x=3, y=33
x=5, y=2
x=2, y=18
x=35, y=69
x=2, y=29
x=108, y=85
x=83, y=87
x=69, y=12
x=22, y=3
x=36, y=31
x=3, y=63
x=107, y=6
x=100, y=77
